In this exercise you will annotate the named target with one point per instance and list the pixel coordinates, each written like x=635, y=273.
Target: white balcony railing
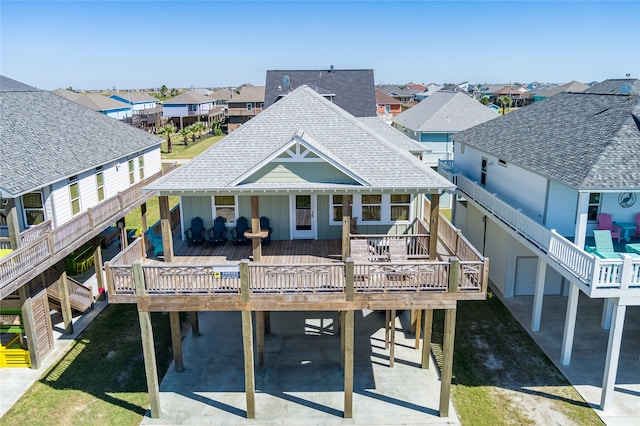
x=597, y=276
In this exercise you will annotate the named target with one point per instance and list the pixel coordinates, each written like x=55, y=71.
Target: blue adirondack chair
x=218, y=234
x=604, y=245
x=195, y=234
x=156, y=241
x=242, y=226
x=265, y=226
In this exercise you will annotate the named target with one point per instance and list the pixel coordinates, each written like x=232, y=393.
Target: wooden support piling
x=434, y=220
x=65, y=304
x=348, y=363
x=176, y=340
x=418, y=327
x=165, y=225
x=392, y=332
x=247, y=343
x=195, y=324
x=426, y=337
x=260, y=337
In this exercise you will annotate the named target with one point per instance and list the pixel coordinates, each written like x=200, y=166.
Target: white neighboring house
x=531, y=185
x=110, y=107
x=190, y=107
x=139, y=101
x=435, y=120
x=59, y=158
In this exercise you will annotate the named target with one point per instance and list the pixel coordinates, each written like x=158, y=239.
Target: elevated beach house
x=349, y=228
x=68, y=173
x=534, y=188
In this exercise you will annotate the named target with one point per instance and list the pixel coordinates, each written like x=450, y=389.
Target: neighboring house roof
x=202, y=91
x=370, y=158
x=248, y=94
x=135, y=97
x=353, y=90
x=189, y=98
x=584, y=140
x=393, y=134
x=573, y=86
x=445, y=111
x=384, y=99
x=221, y=95
x=93, y=101
x=46, y=138
x=614, y=87
x=392, y=90
x=10, y=85
x=508, y=90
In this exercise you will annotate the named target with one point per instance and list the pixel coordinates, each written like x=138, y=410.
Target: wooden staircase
x=80, y=296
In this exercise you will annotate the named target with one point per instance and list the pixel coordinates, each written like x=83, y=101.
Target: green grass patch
x=182, y=151
x=133, y=220
x=101, y=380
x=500, y=375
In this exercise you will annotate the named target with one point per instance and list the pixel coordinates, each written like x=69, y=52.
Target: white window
x=249, y=107
x=227, y=207
x=100, y=185
x=132, y=172
x=33, y=206
x=74, y=194
x=336, y=208
x=371, y=208
x=400, y=207
x=141, y=166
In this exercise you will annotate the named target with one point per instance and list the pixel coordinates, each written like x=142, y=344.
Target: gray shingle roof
x=353, y=89
x=93, y=101
x=393, y=134
x=10, y=85
x=46, y=138
x=346, y=140
x=248, y=94
x=136, y=97
x=583, y=140
x=189, y=98
x=612, y=86
x=445, y=111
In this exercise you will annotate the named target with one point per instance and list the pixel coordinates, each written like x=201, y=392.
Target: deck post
x=348, y=332
x=195, y=325
x=97, y=263
x=143, y=216
x=176, y=340
x=569, y=324
x=387, y=319
x=613, y=354
x=247, y=342
x=165, y=226
x=426, y=337
x=65, y=303
x=346, y=228
x=418, y=326
x=256, y=242
x=260, y=337
x=123, y=233
x=29, y=325
x=342, y=337
x=434, y=220
x=448, y=340
x=148, y=350
x=12, y=223
x=392, y=335
x=538, y=295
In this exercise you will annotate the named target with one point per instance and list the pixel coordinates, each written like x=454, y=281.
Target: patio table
x=627, y=229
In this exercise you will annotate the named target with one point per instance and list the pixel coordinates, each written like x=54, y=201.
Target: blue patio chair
x=218, y=234
x=242, y=226
x=265, y=226
x=156, y=241
x=604, y=245
x=195, y=234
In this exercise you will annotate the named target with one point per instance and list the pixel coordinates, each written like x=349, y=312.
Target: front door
x=303, y=217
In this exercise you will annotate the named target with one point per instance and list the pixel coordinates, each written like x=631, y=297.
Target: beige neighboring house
x=97, y=102
x=244, y=105
x=191, y=107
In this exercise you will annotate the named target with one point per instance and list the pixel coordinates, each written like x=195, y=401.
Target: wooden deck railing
x=417, y=245
x=51, y=246
x=597, y=277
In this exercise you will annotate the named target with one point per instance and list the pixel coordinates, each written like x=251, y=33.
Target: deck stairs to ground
x=80, y=296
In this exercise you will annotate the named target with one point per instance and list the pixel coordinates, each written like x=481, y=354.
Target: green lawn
x=134, y=220
x=101, y=380
x=180, y=151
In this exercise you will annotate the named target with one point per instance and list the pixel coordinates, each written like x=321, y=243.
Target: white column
x=607, y=312
x=581, y=219
x=613, y=353
x=538, y=295
x=510, y=284
x=569, y=324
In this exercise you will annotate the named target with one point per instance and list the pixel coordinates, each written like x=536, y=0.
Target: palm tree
x=163, y=91
x=504, y=101
x=168, y=131
x=199, y=128
x=173, y=92
x=185, y=134
x=485, y=100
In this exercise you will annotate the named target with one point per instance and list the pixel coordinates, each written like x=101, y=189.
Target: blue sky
x=144, y=44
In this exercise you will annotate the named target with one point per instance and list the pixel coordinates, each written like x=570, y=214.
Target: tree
x=485, y=100
x=163, y=91
x=198, y=128
x=168, y=131
x=504, y=101
x=173, y=92
x=185, y=134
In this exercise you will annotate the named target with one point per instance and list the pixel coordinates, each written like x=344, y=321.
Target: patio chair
x=604, y=245
x=360, y=251
x=398, y=251
x=605, y=222
x=156, y=241
x=265, y=226
x=242, y=226
x=637, y=234
x=218, y=234
x=195, y=234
